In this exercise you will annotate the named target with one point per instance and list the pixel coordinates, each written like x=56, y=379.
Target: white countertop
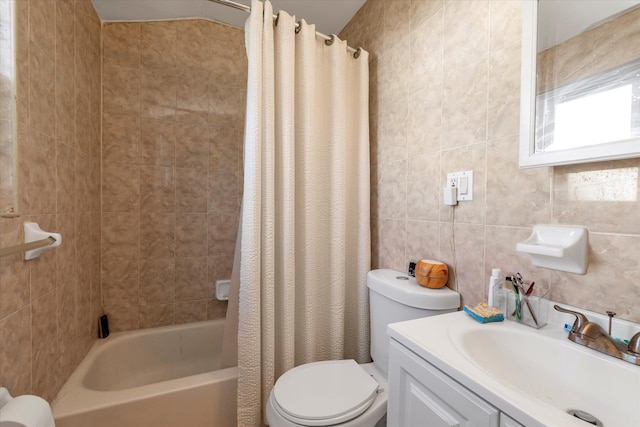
x=436, y=340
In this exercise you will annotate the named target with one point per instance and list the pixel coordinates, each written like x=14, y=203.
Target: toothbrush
x=516, y=291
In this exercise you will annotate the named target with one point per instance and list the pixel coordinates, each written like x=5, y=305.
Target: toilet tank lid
x=404, y=289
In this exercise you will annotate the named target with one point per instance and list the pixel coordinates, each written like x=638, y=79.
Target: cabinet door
x=507, y=421
x=422, y=395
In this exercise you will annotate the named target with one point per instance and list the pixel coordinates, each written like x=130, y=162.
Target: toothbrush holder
x=530, y=310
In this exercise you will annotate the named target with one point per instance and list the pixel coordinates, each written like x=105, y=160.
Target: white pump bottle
x=496, y=295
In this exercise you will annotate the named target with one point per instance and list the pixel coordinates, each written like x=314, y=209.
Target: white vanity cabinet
x=422, y=395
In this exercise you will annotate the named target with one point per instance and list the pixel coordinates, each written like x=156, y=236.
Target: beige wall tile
x=393, y=235
x=518, y=197
x=222, y=230
x=191, y=236
x=193, y=49
x=41, y=27
x=393, y=147
x=42, y=90
x=65, y=37
x=43, y=269
x=393, y=191
x=192, y=146
x=191, y=190
x=504, y=93
x=216, y=309
x=13, y=294
x=157, y=235
x=424, y=9
x=191, y=278
x=65, y=120
x=120, y=233
x=121, y=90
x=152, y=316
x=427, y=51
x=157, y=142
x=397, y=14
x=464, y=107
x=423, y=241
x=611, y=280
x=158, y=95
x=157, y=281
x=158, y=44
x=121, y=138
x=120, y=188
x=466, y=25
x=44, y=346
x=157, y=189
x=15, y=353
x=192, y=99
x=423, y=187
x=191, y=311
x=424, y=124
x=66, y=188
x=121, y=44
x=220, y=267
x=506, y=24
x=66, y=257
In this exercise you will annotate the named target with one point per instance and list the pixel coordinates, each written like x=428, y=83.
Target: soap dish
x=558, y=247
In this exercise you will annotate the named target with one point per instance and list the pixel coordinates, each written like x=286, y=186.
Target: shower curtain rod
x=328, y=39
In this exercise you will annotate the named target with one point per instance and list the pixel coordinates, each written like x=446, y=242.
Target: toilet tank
x=396, y=297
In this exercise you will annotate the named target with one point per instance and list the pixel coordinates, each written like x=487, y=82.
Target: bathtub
x=161, y=377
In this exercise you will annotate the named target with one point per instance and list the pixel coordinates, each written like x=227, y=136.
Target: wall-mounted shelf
x=558, y=247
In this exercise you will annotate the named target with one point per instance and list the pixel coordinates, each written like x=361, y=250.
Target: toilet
x=342, y=392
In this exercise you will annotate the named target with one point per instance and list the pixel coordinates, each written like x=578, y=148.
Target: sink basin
x=533, y=376
x=557, y=372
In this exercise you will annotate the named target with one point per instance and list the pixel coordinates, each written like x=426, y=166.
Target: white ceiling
x=559, y=20
x=330, y=16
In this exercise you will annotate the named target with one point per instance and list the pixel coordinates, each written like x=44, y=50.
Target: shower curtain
x=305, y=240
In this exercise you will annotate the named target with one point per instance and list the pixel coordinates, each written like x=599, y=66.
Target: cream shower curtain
x=305, y=241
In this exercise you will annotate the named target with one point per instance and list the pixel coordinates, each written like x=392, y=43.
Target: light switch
x=463, y=181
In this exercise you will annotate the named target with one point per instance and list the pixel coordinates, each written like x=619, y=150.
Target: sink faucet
x=590, y=334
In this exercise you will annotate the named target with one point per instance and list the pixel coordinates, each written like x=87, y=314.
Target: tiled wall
x=445, y=82
x=49, y=306
x=173, y=106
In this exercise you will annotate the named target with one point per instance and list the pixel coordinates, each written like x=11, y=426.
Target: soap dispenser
x=496, y=292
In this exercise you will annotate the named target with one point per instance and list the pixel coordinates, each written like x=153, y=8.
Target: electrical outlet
x=463, y=181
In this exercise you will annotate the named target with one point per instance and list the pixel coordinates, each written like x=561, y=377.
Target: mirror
x=580, y=94
x=8, y=137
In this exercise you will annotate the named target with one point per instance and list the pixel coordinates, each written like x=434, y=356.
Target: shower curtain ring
x=330, y=41
x=298, y=27
x=357, y=53
x=277, y=18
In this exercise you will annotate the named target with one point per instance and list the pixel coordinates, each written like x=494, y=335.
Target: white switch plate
x=454, y=179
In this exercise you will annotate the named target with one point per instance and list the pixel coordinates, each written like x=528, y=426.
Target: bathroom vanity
x=450, y=370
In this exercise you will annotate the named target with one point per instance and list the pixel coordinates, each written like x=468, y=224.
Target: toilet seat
x=324, y=393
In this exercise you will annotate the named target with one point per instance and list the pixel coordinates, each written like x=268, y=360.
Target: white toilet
x=341, y=392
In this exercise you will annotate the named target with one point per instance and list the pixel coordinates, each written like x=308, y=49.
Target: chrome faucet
x=590, y=334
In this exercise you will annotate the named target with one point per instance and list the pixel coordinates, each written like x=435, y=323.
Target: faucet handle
x=634, y=344
x=581, y=319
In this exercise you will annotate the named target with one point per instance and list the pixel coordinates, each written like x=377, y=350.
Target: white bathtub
x=160, y=377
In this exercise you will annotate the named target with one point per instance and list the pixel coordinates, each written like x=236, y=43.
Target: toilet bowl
x=342, y=392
